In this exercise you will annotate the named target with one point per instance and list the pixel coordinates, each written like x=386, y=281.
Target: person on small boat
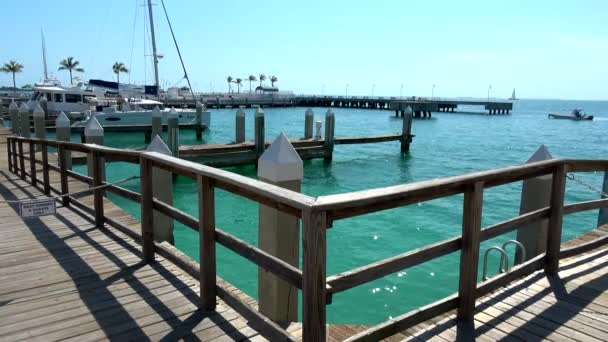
x=578, y=113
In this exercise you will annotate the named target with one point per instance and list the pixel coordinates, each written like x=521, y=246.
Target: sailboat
x=513, y=97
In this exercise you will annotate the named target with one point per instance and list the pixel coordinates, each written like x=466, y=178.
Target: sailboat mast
x=154, y=55
x=46, y=73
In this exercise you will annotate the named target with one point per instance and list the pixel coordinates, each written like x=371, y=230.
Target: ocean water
x=446, y=145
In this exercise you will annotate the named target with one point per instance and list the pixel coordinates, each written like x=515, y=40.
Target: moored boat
x=575, y=115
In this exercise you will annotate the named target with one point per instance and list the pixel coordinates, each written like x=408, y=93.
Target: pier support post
x=319, y=124
x=535, y=194
x=199, y=121
x=13, y=111
x=157, y=124
x=602, y=217
x=309, y=117
x=163, y=191
x=44, y=105
x=239, y=126
x=24, y=121
x=406, y=132
x=173, y=132
x=329, y=134
x=63, y=133
x=259, y=132
x=279, y=232
x=39, y=123
x=93, y=134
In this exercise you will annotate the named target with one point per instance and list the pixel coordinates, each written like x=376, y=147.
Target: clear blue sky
x=544, y=49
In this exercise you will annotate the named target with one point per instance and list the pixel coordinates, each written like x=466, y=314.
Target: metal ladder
x=503, y=266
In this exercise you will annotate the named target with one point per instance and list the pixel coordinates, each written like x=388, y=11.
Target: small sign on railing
x=29, y=209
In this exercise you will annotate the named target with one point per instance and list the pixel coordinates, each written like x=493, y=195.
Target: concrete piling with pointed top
x=406, y=131
x=24, y=121
x=259, y=132
x=13, y=111
x=240, y=126
x=63, y=133
x=309, y=117
x=157, y=124
x=198, y=119
x=93, y=134
x=330, y=121
x=44, y=105
x=39, y=122
x=173, y=132
x=535, y=194
x=163, y=191
x=279, y=232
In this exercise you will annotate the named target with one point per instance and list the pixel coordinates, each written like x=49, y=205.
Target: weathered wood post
x=535, y=194
x=554, y=231
x=39, y=123
x=9, y=153
x=206, y=229
x=329, y=134
x=93, y=134
x=13, y=111
x=32, y=155
x=198, y=119
x=279, y=232
x=24, y=121
x=63, y=133
x=309, y=117
x=163, y=191
x=63, y=174
x=157, y=123
x=406, y=132
x=147, y=204
x=173, y=132
x=319, y=125
x=259, y=132
x=602, y=217
x=240, y=126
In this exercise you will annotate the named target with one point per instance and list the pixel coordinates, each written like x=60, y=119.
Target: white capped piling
x=157, y=124
x=163, y=191
x=535, y=194
x=206, y=117
x=602, y=217
x=44, y=105
x=39, y=123
x=13, y=111
x=240, y=126
x=309, y=117
x=259, y=132
x=319, y=125
x=173, y=132
x=406, y=132
x=63, y=133
x=279, y=232
x=329, y=134
x=24, y=121
x=93, y=134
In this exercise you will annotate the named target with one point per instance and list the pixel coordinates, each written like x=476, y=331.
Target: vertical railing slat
x=314, y=275
x=14, y=148
x=469, y=255
x=45, y=168
x=206, y=226
x=98, y=166
x=554, y=234
x=32, y=150
x=9, y=153
x=21, y=160
x=147, y=215
x=63, y=175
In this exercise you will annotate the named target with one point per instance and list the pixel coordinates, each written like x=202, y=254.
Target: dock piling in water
x=39, y=122
x=279, y=232
x=329, y=134
x=199, y=121
x=163, y=191
x=63, y=133
x=157, y=124
x=93, y=134
x=406, y=132
x=173, y=132
x=13, y=111
x=259, y=132
x=24, y=121
x=309, y=117
x=240, y=126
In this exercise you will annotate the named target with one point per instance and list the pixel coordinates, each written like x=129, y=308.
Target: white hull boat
x=141, y=117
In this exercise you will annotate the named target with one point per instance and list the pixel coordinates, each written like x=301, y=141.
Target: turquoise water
x=448, y=144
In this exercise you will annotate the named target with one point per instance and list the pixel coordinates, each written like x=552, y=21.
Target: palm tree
x=230, y=80
x=119, y=67
x=251, y=79
x=238, y=82
x=273, y=80
x=262, y=78
x=12, y=67
x=70, y=64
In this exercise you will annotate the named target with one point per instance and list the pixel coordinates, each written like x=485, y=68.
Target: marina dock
x=90, y=271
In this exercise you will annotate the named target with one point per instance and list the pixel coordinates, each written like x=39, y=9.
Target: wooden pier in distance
x=93, y=272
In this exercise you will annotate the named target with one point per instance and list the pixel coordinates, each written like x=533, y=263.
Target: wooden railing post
x=33, y=177
x=313, y=275
x=98, y=166
x=45, y=168
x=63, y=175
x=9, y=153
x=147, y=213
x=21, y=160
x=206, y=227
x=554, y=235
x=602, y=216
x=14, y=149
x=469, y=255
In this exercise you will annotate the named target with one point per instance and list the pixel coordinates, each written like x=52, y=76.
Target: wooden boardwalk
x=61, y=278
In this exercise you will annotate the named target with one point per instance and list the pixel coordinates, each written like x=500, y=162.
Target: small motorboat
x=576, y=115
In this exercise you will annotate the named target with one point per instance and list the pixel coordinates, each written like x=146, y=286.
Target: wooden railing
x=317, y=214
